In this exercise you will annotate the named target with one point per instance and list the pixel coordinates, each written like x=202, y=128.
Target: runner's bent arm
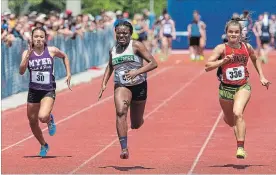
x=173, y=30
x=213, y=61
x=60, y=54
x=189, y=29
x=108, y=71
x=145, y=54
x=256, y=62
x=255, y=29
x=161, y=29
x=24, y=63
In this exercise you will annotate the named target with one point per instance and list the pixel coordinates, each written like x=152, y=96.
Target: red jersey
x=235, y=71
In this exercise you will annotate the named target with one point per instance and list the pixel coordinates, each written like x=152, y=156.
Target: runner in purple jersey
x=39, y=59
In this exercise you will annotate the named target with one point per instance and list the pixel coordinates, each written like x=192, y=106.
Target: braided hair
x=124, y=23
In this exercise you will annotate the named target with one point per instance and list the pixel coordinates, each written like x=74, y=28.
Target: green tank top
x=124, y=62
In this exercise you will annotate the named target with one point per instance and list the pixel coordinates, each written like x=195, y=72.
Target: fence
x=83, y=53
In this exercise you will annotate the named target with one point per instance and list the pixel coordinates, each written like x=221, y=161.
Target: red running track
x=183, y=131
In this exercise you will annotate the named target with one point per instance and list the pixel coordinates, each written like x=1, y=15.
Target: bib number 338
x=235, y=73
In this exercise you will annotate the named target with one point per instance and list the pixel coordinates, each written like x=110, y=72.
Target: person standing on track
x=231, y=59
x=167, y=34
x=197, y=37
x=130, y=78
x=39, y=59
x=246, y=23
x=264, y=36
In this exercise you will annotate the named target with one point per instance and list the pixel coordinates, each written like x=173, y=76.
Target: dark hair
x=124, y=23
x=43, y=30
x=236, y=21
x=165, y=11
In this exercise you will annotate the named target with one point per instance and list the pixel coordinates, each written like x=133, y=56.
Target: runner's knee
x=238, y=114
x=43, y=117
x=122, y=111
x=32, y=120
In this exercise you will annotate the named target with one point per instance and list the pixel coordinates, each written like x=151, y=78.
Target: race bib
x=124, y=80
x=41, y=77
x=235, y=73
x=167, y=29
x=265, y=34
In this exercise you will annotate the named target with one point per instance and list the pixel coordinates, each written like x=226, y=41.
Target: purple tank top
x=41, y=71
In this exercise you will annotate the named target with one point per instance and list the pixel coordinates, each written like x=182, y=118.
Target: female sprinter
x=39, y=59
x=130, y=90
x=231, y=59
